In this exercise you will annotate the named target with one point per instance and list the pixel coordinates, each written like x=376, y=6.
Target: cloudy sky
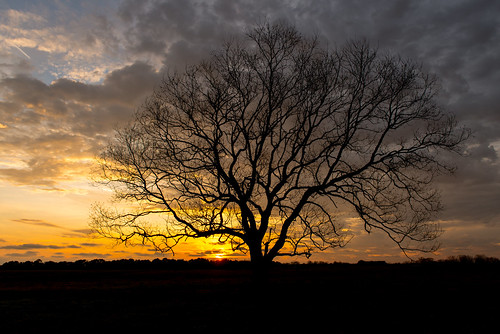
x=73, y=71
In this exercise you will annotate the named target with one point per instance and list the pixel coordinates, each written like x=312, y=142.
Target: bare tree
x=262, y=144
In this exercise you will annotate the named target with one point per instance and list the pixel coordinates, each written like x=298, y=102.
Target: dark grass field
x=227, y=297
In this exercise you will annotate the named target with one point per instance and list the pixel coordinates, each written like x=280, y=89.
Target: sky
x=71, y=72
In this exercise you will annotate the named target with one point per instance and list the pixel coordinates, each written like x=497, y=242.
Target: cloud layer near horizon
x=71, y=73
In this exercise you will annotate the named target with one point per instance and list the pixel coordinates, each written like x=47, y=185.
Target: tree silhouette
x=263, y=143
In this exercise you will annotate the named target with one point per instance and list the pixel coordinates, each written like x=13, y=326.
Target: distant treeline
x=201, y=263
x=125, y=264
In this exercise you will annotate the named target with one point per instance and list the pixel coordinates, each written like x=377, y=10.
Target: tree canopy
x=266, y=143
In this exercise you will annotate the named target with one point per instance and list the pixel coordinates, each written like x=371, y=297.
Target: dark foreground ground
x=226, y=298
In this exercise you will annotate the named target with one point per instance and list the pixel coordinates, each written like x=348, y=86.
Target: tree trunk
x=260, y=266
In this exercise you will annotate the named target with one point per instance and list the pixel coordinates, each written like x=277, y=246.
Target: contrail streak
x=20, y=50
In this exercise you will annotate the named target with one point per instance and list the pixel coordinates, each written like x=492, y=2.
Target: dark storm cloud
x=459, y=41
x=184, y=32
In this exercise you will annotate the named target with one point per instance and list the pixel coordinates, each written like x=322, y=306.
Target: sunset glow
x=72, y=72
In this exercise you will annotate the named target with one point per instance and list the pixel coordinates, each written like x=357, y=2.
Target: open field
x=326, y=298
